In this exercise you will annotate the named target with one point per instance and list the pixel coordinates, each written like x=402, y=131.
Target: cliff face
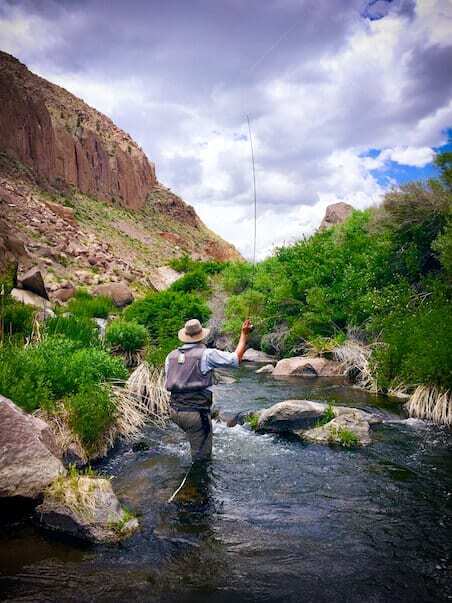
x=66, y=142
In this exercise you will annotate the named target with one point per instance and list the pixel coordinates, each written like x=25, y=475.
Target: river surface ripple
x=272, y=519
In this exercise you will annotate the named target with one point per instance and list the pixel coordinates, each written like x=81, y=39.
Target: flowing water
x=271, y=518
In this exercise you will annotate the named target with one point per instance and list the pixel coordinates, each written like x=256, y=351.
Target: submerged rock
x=348, y=429
x=29, y=455
x=252, y=355
x=303, y=366
x=268, y=368
x=85, y=508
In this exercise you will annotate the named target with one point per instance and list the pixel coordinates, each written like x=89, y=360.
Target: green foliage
x=237, y=276
x=42, y=373
x=253, y=421
x=163, y=314
x=88, y=306
x=80, y=329
x=344, y=437
x=327, y=416
x=16, y=318
x=126, y=336
x=186, y=264
x=444, y=163
x=91, y=412
x=443, y=246
x=195, y=280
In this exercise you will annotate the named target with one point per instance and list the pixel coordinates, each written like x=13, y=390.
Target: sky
x=346, y=98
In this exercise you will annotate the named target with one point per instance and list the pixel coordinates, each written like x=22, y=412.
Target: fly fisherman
x=189, y=378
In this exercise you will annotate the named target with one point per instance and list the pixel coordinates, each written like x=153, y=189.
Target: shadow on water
x=269, y=519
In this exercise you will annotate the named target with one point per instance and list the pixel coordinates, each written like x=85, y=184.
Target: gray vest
x=186, y=382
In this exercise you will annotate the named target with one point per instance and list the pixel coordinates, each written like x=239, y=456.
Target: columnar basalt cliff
x=55, y=152
x=64, y=140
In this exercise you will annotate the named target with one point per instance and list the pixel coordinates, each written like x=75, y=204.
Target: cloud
x=322, y=86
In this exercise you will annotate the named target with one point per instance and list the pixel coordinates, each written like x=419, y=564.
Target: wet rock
x=30, y=299
x=32, y=281
x=222, y=379
x=119, y=293
x=290, y=415
x=268, y=368
x=231, y=419
x=257, y=356
x=353, y=422
x=29, y=455
x=303, y=366
x=85, y=508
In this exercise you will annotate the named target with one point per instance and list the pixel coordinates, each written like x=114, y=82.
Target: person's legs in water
x=197, y=425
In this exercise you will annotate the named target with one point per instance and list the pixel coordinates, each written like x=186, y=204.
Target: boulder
x=16, y=246
x=222, y=379
x=231, y=419
x=336, y=213
x=65, y=294
x=267, y=368
x=30, y=299
x=290, y=415
x=353, y=421
x=119, y=293
x=32, y=281
x=303, y=366
x=163, y=277
x=257, y=356
x=66, y=213
x=29, y=455
x=85, y=508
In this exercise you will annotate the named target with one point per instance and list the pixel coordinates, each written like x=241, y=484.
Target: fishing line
x=255, y=204
x=176, y=492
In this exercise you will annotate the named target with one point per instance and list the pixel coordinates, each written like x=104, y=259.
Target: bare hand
x=247, y=327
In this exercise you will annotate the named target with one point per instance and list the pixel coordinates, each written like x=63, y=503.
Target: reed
x=147, y=384
x=354, y=355
x=432, y=403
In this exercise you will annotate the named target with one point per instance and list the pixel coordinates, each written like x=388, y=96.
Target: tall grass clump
x=83, y=304
x=79, y=329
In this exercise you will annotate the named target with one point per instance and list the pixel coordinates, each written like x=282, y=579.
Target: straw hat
x=193, y=332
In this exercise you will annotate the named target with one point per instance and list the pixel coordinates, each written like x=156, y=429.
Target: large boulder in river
x=303, y=366
x=32, y=281
x=86, y=508
x=29, y=455
x=290, y=415
x=349, y=429
x=257, y=356
x=119, y=293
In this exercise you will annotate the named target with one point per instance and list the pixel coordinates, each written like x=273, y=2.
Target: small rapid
x=270, y=519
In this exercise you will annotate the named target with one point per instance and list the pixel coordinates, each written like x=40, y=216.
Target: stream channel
x=272, y=519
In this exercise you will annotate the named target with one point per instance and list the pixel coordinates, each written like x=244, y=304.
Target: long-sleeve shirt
x=212, y=359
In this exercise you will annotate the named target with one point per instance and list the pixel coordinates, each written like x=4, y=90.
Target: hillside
x=79, y=197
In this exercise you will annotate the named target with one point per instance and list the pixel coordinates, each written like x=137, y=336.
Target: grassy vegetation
x=327, y=416
x=384, y=273
x=344, y=437
x=163, y=314
x=253, y=421
x=85, y=305
x=126, y=336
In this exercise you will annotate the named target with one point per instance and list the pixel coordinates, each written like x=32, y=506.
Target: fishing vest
x=184, y=379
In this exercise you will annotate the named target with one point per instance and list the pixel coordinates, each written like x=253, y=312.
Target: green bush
x=163, y=314
x=186, y=264
x=126, y=336
x=76, y=328
x=89, y=306
x=42, y=373
x=17, y=318
x=91, y=412
x=190, y=282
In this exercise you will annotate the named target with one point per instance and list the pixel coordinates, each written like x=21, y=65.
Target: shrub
x=91, y=412
x=76, y=328
x=237, y=276
x=186, y=264
x=88, y=306
x=192, y=281
x=42, y=373
x=163, y=314
x=126, y=336
x=16, y=318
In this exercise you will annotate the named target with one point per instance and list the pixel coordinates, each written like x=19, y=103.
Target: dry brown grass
x=354, y=355
x=432, y=403
x=147, y=385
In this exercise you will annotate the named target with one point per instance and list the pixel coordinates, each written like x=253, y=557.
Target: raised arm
x=247, y=327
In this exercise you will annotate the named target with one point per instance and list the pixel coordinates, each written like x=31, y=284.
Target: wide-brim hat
x=193, y=332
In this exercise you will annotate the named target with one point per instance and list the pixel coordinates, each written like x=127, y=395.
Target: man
x=189, y=378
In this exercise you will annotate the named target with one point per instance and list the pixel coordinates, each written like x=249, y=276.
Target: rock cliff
x=66, y=142
x=78, y=198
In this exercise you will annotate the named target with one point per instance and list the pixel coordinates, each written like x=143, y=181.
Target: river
x=272, y=519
